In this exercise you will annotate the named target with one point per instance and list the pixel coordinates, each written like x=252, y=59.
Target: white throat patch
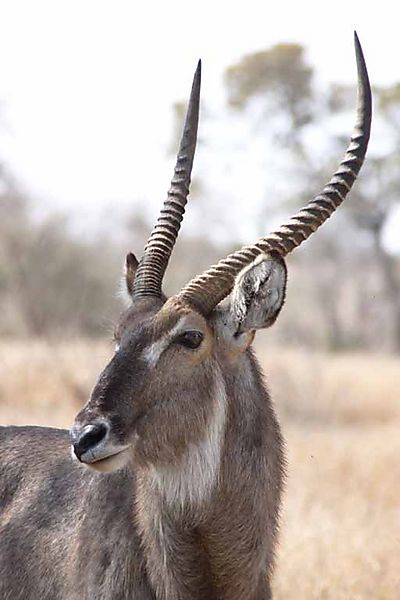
x=192, y=480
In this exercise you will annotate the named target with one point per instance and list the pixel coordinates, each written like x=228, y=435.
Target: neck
x=171, y=504
x=188, y=484
x=208, y=522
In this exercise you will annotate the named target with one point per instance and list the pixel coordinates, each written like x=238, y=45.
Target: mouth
x=107, y=460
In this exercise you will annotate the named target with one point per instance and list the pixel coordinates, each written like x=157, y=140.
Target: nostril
x=85, y=438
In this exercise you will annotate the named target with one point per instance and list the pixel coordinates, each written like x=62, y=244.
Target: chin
x=111, y=463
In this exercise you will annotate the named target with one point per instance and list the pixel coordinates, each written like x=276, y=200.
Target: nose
x=88, y=437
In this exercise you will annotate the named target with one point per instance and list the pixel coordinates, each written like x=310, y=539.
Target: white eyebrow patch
x=152, y=353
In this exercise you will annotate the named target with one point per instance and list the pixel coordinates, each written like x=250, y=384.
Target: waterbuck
x=173, y=487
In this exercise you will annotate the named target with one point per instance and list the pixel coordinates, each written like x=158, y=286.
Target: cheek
x=234, y=348
x=181, y=393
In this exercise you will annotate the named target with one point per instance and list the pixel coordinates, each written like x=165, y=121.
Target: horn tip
x=357, y=46
x=362, y=67
x=359, y=52
x=197, y=74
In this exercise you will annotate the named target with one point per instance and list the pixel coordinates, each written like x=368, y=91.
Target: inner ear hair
x=131, y=265
x=259, y=292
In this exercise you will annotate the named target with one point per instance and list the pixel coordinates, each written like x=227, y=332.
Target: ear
x=131, y=266
x=259, y=293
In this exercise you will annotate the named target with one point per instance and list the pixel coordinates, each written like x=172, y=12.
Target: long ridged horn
x=157, y=252
x=205, y=291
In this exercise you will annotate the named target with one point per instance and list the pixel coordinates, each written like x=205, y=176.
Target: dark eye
x=190, y=339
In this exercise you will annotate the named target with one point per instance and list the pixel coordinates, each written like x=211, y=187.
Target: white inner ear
x=258, y=293
x=249, y=278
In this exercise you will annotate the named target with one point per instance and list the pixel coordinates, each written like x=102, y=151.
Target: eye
x=190, y=339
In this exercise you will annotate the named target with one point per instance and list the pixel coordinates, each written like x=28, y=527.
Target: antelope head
x=163, y=391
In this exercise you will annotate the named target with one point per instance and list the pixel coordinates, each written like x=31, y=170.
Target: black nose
x=87, y=437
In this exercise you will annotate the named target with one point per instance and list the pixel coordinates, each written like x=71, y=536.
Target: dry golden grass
x=340, y=536
x=46, y=383
x=333, y=389
x=341, y=521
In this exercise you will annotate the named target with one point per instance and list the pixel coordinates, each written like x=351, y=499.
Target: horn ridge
x=158, y=249
x=207, y=290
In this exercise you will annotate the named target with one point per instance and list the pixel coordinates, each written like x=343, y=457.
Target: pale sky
x=87, y=86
